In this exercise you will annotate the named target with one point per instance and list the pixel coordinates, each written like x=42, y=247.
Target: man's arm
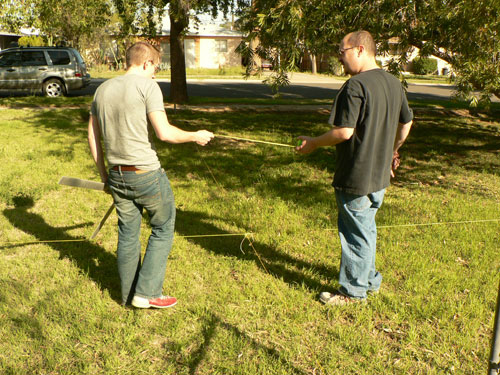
x=401, y=135
x=330, y=138
x=94, y=138
x=169, y=133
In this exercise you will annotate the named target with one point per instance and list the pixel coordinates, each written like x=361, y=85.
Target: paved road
x=299, y=89
x=303, y=86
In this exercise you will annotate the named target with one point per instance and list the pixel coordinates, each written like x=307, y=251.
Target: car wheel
x=53, y=88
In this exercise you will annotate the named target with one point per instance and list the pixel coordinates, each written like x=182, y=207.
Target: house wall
x=443, y=68
x=205, y=52
x=214, y=57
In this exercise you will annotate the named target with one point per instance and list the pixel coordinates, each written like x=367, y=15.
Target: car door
x=10, y=68
x=62, y=64
x=33, y=69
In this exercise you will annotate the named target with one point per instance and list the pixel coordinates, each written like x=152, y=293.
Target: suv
x=54, y=70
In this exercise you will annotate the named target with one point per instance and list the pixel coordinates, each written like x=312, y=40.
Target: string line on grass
x=428, y=224
x=438, y=223
x=253, y=140
x=245, y=235
x=249, y=237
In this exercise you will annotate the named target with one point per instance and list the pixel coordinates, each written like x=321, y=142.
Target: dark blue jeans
x=358, y=238
x=132, y=193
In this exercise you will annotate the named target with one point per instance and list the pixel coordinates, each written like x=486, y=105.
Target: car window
x=10, y=59
x=33, y=58
x=59, y=57
x=78, y=56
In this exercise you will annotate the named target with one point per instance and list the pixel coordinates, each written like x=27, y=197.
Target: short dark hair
x=141, y=52
x=362, y=37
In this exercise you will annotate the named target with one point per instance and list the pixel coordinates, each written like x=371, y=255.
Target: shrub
x=334, y=66
x=31, y=41
x=424, y=65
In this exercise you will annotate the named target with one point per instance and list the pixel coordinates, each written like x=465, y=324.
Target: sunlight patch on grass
x=250, y=305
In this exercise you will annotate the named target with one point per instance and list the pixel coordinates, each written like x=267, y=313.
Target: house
x=443, y=67
x=209, y=45
x=8, y=39
x=324, y=62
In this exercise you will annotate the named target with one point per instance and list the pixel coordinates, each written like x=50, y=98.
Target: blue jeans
x=132, y=193
x=358, y=239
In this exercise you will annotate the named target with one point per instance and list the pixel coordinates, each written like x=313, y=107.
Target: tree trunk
x=178, y=22
x=314, y=69
x=256, y=62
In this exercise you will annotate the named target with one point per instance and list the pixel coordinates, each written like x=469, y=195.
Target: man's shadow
x=94, y=261
x=290, y=269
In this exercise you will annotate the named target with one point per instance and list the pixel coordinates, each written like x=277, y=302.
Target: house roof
x=5, y=33
x=20, y=33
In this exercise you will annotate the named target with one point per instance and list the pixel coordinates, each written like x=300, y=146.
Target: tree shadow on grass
x=93, y=260
x=441, y=149
x=282, y=266
x=211, y=324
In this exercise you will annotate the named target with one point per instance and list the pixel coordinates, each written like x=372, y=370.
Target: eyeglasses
x=342, y=50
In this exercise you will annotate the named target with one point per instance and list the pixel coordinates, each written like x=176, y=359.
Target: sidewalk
x=298, y=77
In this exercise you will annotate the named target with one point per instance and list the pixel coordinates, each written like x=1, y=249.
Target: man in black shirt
x=371, y=119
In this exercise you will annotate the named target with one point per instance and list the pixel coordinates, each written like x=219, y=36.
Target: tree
x=179, y=13
x=144, y=17
x=179, y=21
x=70, y=20
x=462, y=32
x=15, y=14
x=63, y=20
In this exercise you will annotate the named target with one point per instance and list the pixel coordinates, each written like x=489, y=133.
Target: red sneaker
x=159, y=303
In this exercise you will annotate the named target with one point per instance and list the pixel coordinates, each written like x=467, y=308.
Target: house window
x=165, y=53
x=221, y=46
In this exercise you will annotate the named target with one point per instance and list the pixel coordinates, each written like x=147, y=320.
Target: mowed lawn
x=248, y=302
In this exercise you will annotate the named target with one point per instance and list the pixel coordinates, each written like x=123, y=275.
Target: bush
x=31, y=41
x=424, y=65
x=334, y=66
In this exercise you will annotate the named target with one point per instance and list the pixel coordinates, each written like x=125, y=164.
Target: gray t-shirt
x=373, y=103
x=121, y=105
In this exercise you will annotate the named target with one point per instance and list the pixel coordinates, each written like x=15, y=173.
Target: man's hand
x=307, y=146
x=202, y=137
x=395, y=163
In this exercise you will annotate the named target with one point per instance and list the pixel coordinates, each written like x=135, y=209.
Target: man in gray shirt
x=371, y=120
x=125, y=112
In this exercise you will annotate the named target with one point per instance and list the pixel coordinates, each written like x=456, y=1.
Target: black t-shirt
x=373, y=103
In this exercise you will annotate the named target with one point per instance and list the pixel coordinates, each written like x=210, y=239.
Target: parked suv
x=54, y=70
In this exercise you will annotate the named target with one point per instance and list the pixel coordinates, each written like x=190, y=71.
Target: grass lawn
x=233, y=72
x=249, y=309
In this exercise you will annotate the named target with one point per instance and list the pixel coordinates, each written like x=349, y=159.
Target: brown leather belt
x=127, y=168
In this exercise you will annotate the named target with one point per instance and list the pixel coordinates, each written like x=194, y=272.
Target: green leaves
x=458, y=31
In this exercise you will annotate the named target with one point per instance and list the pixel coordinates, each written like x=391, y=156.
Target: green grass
x=232, y=72
x=242, y=311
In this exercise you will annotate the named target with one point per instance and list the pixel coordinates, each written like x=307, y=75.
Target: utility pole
x=494, y=365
